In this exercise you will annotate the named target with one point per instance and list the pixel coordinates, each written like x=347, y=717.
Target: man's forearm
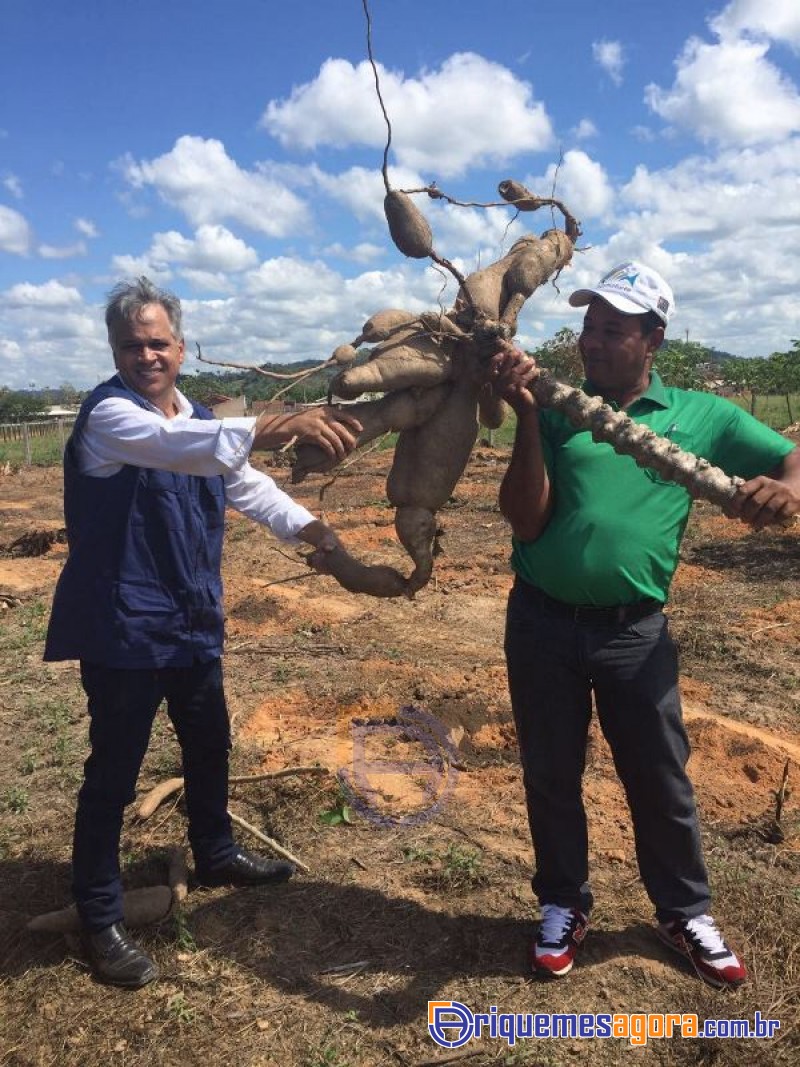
x=525, y=493
x=326, y=426
x=770, y=498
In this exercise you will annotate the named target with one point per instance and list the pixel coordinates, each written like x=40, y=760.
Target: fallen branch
x=776, y=834
x=285, y=773
x=771, y=626
x=159, y=793
x=458, y=1057
x=278, y=849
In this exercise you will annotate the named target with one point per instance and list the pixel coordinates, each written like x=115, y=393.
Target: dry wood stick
x=285, y=773
x=780, y=796
x=178, y=876
x=278, y=849
x=159, y=793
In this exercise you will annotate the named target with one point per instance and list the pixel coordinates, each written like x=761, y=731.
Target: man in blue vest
x=147, y=477
x=595, y=546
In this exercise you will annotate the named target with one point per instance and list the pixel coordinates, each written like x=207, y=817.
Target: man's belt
x=590, y=614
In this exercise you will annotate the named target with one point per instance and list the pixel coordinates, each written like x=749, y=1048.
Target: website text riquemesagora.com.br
x=452, y=1024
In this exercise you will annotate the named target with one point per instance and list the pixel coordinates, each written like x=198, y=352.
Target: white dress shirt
x=119, y=432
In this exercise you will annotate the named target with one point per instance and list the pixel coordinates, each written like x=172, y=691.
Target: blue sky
x=231, y=151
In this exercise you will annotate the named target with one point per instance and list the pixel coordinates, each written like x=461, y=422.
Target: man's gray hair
x=126, y=300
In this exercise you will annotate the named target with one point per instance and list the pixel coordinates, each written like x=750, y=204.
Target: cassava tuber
x=699, y=477
x=382, y=325
x=141, y=907
x=518, y=196
x=408, y=227
x=395, y=366
x=399, y=410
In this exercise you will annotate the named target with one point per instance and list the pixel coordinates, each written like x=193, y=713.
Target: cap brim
x=582, y=297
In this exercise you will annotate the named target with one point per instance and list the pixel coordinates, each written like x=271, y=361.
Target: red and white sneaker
x=700, y=940
x=558, y=939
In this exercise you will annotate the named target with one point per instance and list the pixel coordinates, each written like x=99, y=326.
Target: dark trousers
x=122, y=705
x=554, y=666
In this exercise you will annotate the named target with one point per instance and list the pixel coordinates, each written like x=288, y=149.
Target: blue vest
x=141, y=586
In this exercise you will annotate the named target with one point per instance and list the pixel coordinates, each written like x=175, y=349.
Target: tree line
x=684, y=364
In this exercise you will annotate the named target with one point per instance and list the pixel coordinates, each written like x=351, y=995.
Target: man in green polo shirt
x=595, y=546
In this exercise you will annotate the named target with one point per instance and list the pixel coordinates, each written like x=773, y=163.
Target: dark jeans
x=554, y=665
x=122, y=705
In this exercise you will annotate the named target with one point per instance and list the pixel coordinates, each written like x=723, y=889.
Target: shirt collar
x=184, y=405
x=655, y=393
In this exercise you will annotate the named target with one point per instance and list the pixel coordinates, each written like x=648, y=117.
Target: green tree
x=783, y=374
x=18, y=405
x=561, y=356
x=681, y=364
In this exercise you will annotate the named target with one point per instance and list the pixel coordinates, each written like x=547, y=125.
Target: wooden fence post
x=26, y=438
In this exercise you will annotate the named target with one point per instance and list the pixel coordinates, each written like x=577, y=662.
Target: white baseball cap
x=632, y=289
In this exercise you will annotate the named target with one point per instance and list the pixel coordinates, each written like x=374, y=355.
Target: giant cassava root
x=430, y=369
x=699, y=477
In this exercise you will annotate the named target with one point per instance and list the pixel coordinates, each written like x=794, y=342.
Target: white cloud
x=87, y=228
x=14, y=186
x=204, y=260
x=213, y=248
x=361, y=190
x=610, y=56
x=581, y=184
x=51, y=336
x=15, y=233
x=584, y=130
x=469, y=112
x=643, y=134
x=718, y=197
x=10, y=352
x=778, y=19
x=135, y=266
x=50, y=294
x=78, y=248
x=208, y=281
x=705, y=223
x=200, y=179
x=729, y=93
x=363, y=252
x=290, y=309
x=456, y=230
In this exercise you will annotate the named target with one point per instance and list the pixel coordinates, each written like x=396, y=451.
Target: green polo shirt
x=616, y=528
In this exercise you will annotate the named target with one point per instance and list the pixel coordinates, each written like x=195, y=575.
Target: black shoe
x=246, y=868
x=116, y=959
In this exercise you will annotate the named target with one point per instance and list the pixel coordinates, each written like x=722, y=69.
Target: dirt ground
x=414, y=834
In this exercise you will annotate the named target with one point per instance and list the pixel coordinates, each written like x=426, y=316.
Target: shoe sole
x=139, y=984
x=547, y=972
